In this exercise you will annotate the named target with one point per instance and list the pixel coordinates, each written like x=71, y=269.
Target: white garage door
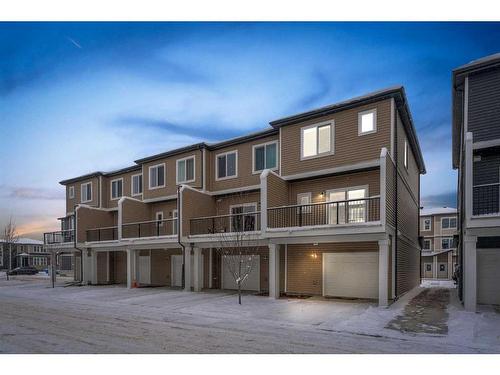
x=251, y=283
x=350, y=275
x=177, y=270
x=144, y=270
x=488, y=276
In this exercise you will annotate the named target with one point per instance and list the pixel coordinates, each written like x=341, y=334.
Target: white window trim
x=450, y=242
x=217, y=166
x=177, y=170
x=157, y=213
x=332, y=140
x=346, y=189
x=251, y=204
x=360, y=114
x=254, y=171
x=423, y=226
x=405, y=155
x=175, y=221
x=149, y=177
x=71, y=192
x=449, y=219
x=111, y=189
x=430, y=243
x=132, y=185
x=91, y=191
x=306, y=210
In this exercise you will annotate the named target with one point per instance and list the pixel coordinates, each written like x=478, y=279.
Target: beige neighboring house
x=321, y=193
x=24, y=252
x=438, y=228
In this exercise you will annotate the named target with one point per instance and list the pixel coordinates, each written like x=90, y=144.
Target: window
x=406, y=155
x=356, y=209
x=428, y=267
x=240, y=221
x=265, y=156
x=116, y=188
x=159, y=218
x=317, y=140
x=441, y=268
x=304, y=199
x=448, y=222
x=185, y=170
x=175, y=222
x=446, y=243
x=86, y=192
x=427, y=244
x=427, y=224
x=367, y=122
x=71, y=192
x=157, y=176
x=136, y=187
x=226, y=165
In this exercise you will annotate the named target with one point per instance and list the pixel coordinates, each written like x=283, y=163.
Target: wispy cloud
x=74, y=42
x=29, y=193
x=447, y=199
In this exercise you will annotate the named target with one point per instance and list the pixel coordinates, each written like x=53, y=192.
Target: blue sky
x=74, y=95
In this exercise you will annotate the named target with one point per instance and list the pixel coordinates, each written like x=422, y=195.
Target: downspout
x=396, y=204
x=179, y=215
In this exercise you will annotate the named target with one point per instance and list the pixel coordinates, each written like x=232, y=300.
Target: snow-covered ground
x=35, y=318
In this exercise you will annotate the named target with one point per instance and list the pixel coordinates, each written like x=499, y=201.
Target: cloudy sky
x=79, y=97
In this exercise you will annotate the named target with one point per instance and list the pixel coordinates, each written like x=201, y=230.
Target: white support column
x=131, y=259
x=469, y=273
x=274, y=271
x=435, y=267
x=210, y=265
x=198, y=269
x=94, y=267
x=383, y=273
x=187, y=269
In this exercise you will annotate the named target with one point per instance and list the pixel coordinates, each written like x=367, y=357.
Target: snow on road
x=111, y=319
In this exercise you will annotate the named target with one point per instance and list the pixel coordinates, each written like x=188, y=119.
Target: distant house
x=438, y=226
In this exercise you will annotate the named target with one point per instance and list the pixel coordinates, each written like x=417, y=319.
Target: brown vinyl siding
x=305, y=272
x=223, y=204
x=90, y=218
x=195, y=204
x=118, y=260
x=71, y=203
x=245, y=176
x=126, y=192
x=277, y=191
x=349, y=147
x=408, y=266
x=390, y=191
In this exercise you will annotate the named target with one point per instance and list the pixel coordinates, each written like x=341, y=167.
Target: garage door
x=350, y=275
x=251, y=283
x=488, y=276
x=177, y=270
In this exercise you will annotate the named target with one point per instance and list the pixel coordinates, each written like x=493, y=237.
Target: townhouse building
x=24, y=252
x=438, y=230
x=329, y=198
x=476, y=156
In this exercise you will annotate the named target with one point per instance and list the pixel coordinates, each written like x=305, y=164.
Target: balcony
x=486, y=200
x=347, y=212
x=153, y=228
x=233, y=223
x=102, y=234
x=63, y=236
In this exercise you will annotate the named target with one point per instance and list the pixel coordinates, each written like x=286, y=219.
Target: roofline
x=82, y=177
x=193, y=147
x=396, y=92
x=244, y=138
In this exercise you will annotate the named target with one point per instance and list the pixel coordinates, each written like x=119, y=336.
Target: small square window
x=367, y=122
x=428, y=267
x=71, y=192
x=427, y=224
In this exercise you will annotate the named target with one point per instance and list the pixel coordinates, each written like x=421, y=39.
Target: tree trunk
x=10, y=261
x=239, y=292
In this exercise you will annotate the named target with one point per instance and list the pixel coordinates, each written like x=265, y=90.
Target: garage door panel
x=488, y=276
x=350, y=275
x=251, y=283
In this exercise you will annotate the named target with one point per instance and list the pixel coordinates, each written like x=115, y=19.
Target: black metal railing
x=328, y=213
x=244, y=222
x=153, y=228
x=102, y=234
x=486, y=199
x=61, y=236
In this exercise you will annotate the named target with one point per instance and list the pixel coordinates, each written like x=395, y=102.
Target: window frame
x=430, y=225
x=82, y=189
x=449, y=218
x=132, y=184
x=164, y=176
x=346, y=190
x=306, y=210
x=217, y=178
x=317, y=126
x=360, y=127
x=427, y=240
x=157, y=213
x=450, y=243
x=71, y=192
x=265, y=144
x=254, y=214
x=111, y=189
x=177, y=169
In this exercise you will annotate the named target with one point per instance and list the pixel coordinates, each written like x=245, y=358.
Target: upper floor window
x=136, y=187
x=185, y=170
x=367, y=122
x=71, y=192
x=86, y=190
x=265, y=156
x=227, y=165
x=427, y=224
x=116, y=188
x=406, y=154
x=317, y=140
x=427, y=244
x=157, y=176
x=448, y=223
x=242, y=219
x=446, y=243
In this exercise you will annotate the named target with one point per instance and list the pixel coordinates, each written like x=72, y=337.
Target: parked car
x=24, y=271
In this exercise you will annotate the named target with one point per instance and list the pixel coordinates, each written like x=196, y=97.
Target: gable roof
x=437, y=211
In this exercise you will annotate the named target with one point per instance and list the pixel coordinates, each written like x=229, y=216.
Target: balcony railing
x=351, y=211
x=244, y=222
x=102, y=234
x=154, y=228
x=62, y=236
x=486, y=199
